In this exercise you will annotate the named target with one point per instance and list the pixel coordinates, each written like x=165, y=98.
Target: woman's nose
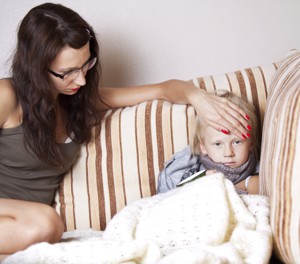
x=80, y=80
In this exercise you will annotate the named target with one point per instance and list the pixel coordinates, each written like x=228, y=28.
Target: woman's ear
x=202, y=149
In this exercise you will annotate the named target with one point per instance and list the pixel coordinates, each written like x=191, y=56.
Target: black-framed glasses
x=73, y=74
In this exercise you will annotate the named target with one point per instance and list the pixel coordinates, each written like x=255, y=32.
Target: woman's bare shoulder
x=6, y=87
x=8, y=100
x=7, y=92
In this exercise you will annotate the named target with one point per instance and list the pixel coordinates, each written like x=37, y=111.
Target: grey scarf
x=233, y=174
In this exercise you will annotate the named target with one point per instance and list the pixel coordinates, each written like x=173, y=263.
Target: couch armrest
x=280, y=158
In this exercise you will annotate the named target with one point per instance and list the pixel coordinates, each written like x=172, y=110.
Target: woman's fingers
x=234, y=119
x=223, y=115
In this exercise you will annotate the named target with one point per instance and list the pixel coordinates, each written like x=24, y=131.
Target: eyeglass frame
x=62, y=76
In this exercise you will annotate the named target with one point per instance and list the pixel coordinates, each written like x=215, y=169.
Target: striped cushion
x=280, y=179
x=122, y=164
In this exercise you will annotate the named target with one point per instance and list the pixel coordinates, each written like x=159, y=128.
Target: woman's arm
x=219, y=112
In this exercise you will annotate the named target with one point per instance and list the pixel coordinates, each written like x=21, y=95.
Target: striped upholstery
x=122, y=164
x=280, y=180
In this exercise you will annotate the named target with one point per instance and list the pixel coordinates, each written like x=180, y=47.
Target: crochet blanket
x=204, y=221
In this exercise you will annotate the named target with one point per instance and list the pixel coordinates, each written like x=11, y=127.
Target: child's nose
x=228, y=152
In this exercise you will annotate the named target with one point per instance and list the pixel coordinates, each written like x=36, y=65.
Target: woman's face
x=68, y=60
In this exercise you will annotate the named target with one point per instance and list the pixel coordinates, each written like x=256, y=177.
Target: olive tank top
x=23, y=175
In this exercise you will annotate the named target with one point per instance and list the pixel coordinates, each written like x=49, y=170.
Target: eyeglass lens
x=74, y=74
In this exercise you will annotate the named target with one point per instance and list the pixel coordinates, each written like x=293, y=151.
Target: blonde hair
x=249, y=109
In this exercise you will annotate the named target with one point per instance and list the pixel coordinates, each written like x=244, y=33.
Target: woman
x=48, y=108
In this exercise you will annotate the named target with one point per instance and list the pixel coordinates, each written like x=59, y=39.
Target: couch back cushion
x=280, y=179
x=122, y=164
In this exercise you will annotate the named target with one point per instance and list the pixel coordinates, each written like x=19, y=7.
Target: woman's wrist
x=196, y=97
x=179, y=92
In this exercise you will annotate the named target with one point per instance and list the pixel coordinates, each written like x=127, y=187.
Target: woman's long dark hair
x=43, y=32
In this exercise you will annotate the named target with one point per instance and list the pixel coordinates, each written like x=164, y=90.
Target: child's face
x=227, y=149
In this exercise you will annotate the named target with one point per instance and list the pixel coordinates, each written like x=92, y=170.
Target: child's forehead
x=211, y=133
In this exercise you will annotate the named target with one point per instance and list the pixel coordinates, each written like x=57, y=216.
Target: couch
x=121, y=165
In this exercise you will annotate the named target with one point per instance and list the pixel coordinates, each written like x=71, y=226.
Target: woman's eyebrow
x=73, y=68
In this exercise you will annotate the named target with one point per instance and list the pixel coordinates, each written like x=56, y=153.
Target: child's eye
x=217, y=144
x=237, y=142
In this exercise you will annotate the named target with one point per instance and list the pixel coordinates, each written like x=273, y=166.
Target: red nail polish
x=248, y=135
x=225, y=131
x=247, y=117
x=249, y=127
x=244, y=136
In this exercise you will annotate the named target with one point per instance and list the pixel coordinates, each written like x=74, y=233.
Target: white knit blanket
x=204, y=221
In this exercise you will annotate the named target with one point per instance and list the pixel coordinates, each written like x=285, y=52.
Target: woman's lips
x=75, y=89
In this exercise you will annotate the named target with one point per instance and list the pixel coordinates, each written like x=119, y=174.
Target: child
x=217, y=152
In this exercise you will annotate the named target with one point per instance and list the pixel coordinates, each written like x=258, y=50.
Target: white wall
x=145, y=41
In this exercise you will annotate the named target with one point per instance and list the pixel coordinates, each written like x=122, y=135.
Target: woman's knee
x=25, y=223
x=47, y=226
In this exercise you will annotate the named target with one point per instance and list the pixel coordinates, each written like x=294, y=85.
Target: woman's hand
x=219, y=113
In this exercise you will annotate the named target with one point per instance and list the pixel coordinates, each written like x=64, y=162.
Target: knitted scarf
x=233, y=174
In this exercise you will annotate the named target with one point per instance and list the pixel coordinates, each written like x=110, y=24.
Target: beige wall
x=145, y=41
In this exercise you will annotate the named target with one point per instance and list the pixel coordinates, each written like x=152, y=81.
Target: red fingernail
x=225, y=131
x=248, y=135
x=249, y=127
x=247, y=117
x=244, y=136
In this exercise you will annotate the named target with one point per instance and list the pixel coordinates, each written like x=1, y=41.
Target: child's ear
x=251, y=145
x=203, y=149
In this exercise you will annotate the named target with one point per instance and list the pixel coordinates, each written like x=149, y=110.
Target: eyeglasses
x=73, y=74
